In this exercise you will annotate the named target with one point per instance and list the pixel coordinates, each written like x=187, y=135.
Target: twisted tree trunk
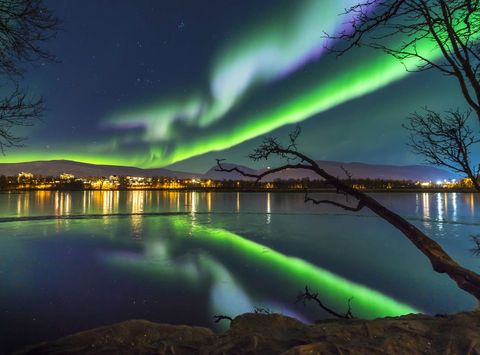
x=466, y=279
x=441, y=262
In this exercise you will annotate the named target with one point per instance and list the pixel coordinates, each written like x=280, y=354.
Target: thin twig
x=220, y=317
x=309, y=296
x=359, y=206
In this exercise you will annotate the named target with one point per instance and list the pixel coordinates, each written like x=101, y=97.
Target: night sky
x=155, y=83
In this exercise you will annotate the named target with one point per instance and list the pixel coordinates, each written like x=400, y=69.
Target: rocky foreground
x=277, y=334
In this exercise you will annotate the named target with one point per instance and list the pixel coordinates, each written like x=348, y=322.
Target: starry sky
x=179, y=83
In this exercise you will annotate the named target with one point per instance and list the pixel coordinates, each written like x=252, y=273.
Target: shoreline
x=298, y=191
x=257, y=333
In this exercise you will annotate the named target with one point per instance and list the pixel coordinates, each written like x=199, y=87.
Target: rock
x=411, y=334
x=277, y=334
x=253, y=333
x=133, y=336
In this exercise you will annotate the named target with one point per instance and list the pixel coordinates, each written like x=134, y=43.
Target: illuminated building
x=66, y=177
x=24, y=178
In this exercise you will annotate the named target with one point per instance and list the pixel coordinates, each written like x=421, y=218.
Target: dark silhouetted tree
x=441, y=262
x=399, y=27
x=445, y=141
x=476, y=245
x=24, y=26
x=409, y=30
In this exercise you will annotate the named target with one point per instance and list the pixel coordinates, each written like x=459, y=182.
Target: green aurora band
x=292, y=273
x=162, y=144
x=366, y=78
x=240, y=68
x=368, y=303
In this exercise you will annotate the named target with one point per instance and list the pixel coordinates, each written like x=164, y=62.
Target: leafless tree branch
x=409, y=30
x=441, y=262
x=444, y=141
x=24, y=26
x=307, y=295
x=476, y=242
x=17, y=110
x=334, y=203
x=219, y=317
x=261, y=310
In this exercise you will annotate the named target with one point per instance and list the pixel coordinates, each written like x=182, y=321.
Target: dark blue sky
x=150, y=83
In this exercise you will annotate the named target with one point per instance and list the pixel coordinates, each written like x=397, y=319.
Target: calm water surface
x=75, y=260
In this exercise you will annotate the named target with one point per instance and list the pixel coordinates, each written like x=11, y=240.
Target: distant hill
x=57, y=167
x=357, y=170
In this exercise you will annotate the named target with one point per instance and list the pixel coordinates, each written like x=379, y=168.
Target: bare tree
x=441, y=262
x=408, y=30
x=445, y=141
x=401, y=28
x=17, y=109
x=307, y=295
x=24, y=26
x=476, y=245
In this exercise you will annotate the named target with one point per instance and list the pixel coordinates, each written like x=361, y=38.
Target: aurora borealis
x=290, y=271
x=199, y=81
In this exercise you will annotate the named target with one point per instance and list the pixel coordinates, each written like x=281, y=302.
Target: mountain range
x=356, y=170
x=57, y=167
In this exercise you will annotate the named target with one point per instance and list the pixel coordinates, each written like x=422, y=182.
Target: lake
x=70, y=261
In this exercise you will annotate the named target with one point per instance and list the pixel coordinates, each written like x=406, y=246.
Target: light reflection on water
x=471, y=201
x=149, y=254
x=446, y=206
x=269, y=209
x=454, y=206
x=426, y=209
x=238, y=202
x=136, y=200
x=59, y=203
